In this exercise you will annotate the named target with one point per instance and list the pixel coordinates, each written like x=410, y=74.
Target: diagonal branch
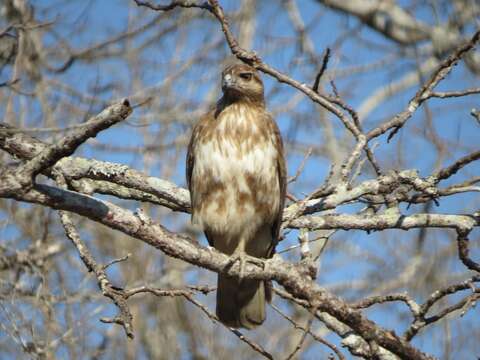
x=310, y=332
x=21, y=178
x=251, y=58
x=292, y=277
x=118, y=296
x=425, y=92
x=104, y=177
x=445, y=173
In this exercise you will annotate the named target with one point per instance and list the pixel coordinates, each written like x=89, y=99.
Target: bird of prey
x=236, y=175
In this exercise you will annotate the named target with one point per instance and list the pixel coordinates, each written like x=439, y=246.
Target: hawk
x=236, y=175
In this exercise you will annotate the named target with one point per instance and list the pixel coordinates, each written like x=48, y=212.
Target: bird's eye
x=246, y=76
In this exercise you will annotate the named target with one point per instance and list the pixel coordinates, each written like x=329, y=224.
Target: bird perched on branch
x=237, y=180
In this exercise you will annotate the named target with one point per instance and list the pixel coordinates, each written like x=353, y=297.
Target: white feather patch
x=227, y=163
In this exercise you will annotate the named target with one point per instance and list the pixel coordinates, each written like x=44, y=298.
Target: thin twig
x=307, y=330
x=301, y=166
x=447, y=172
x=449, y=94
x=188, y=295
x=118, y=297
x=445, y=67
x=325, y=58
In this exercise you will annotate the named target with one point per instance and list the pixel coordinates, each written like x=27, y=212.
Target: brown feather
x=236, y=175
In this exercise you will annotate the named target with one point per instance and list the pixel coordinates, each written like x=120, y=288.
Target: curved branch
x=292, y=277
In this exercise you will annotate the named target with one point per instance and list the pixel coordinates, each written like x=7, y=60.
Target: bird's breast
x=235, y=176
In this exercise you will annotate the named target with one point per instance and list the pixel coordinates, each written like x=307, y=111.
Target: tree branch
x=290, y=276
x=21, y=178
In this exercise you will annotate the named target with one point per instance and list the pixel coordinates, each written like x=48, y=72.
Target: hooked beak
x=227, y=81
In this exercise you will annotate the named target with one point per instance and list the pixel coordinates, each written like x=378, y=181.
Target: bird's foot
x=243, y=258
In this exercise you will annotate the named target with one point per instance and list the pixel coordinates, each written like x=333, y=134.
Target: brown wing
x=282, y=180
x=197, y=132
x=190, y=161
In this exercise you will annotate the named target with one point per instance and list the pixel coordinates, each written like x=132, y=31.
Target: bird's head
x=242, y=82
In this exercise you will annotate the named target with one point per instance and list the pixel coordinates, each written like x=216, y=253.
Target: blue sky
x=451, y=119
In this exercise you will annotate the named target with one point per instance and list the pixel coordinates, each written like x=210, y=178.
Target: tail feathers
x=240, y=303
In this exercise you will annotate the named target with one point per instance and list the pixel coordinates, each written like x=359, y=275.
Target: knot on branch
x=307, y=267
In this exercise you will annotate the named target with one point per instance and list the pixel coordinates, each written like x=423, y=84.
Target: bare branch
x=386, y=221
x=445, y=67
x=116, y=295
x=307, y=330
x=326, y=57
x=22, y=178
x=188, y=295
x=463, y=250
x=449, y=94
x=288, y=275
x=457, y=165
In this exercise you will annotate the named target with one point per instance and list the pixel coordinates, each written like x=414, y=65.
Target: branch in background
x=397, y=24
x=21, y=178
x=118, y=296
x=188, y=295
x=310, y=332
x=445, y=67
x=33, y=256
x=90, y=176
x=447, y=172
x=326, y=57
x=420, y=320
x=300, y=167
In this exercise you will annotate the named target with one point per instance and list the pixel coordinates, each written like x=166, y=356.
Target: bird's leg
x=240, y=256
x=242, y=259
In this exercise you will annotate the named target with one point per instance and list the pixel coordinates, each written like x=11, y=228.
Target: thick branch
x=288, y=275
x=386, y=221
x=111, y=178
x=21, y=178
